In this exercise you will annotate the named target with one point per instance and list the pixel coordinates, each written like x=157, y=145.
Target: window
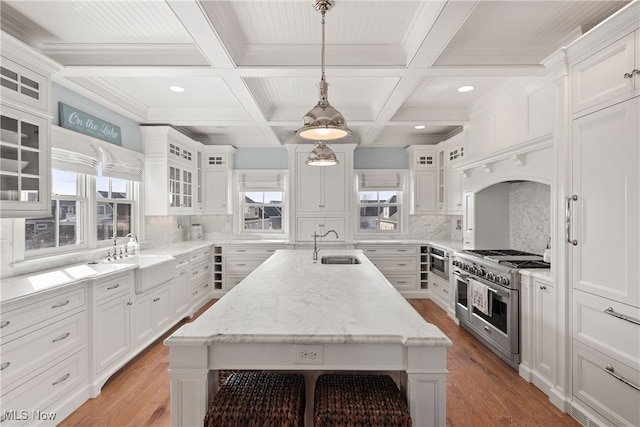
x=114, y=207
x=262, y=210
x=64, y=228
x=379, y=210
x=380, y=201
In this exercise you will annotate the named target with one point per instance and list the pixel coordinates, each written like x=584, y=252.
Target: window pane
x=368, y=196
x=104, y=220
x=369, y=217
x=118, y=188
x=273, y=197
x=124, y=219
x=388, y=196
x=102, y=187
x=262, y=210
x=64, y=183
x=389, y=217
x=68, y=222
x=41, y=232
x=254, y=197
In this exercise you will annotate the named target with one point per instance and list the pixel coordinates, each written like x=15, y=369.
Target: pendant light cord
x=322, y=62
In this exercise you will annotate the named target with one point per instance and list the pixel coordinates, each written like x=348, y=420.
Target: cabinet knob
x=630, y=75
x=543, y=287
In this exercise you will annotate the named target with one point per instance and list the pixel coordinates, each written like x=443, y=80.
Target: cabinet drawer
x=596, y=325
x=403, y=282
x=200, y=292
x=182, y=263
x=18, y=317
x=200, y=270
x=201, y=254
x=28, y=352
x=378, y=250
x=409, y=264
x=600, y=382
x=241, y=264
x=258, y=251
x=41, y=391
x=232, y=280
x=113, y=286
x=440, y=290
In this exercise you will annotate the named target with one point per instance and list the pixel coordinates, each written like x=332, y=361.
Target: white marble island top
x=292, y=299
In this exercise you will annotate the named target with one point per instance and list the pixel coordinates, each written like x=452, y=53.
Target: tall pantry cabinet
x=603, y=230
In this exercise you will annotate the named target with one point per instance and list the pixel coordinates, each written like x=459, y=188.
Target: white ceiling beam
x=204, y=35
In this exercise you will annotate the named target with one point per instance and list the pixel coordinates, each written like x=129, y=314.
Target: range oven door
x=439, y=263
x=502, y=326
x=462, y=296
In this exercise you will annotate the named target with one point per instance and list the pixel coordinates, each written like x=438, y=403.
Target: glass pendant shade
x=322, y=156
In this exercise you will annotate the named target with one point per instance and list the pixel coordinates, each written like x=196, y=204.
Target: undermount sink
x=339, y=259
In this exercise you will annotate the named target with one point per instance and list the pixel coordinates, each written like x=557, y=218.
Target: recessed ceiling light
x=465, y=88
x=176, y=88
x=419, y=127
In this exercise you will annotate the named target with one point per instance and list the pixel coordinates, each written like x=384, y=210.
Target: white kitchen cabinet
x=112, y=302
x=468, y=219
x=544, y=332
x=321, y=189
x=605, y=215
x=241, y=259
x=440, y=292
x=599, y=80
x=153, y=314
x=398, y=263
x=181, y=289
x=44, y=354
x=424, y=188
x=454, y=154
x=217, y=167
x=25, y=153
x=306, y=226
x=170, y=170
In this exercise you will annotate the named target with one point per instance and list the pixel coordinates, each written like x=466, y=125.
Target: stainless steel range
x=488, y=297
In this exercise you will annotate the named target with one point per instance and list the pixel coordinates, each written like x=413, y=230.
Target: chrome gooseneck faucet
x=315, y=243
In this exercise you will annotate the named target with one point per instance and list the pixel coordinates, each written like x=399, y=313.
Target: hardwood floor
x=482, y=391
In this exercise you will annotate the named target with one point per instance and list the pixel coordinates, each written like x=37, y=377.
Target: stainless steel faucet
x=315, y=243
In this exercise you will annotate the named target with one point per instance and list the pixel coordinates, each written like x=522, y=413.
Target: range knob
x=498, y=278
x=491, y=276
x=473, y=270
x=481, y=272
x=505, y=281
x=455, y=263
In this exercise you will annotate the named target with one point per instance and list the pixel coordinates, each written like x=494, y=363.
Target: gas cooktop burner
x=509, y=257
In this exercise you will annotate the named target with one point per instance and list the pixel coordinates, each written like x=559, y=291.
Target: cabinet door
x=112, y=330
x=307, y=226
x=468, y=219
x=215, y=199
x=600, y=77
x=454, y=191
x=162, y=312
x=309, y=186
x=143, y=326
x=182, y=297
x=333, y=187
x=606, y=161
x=426, y=200
x=544, y=329
x=24, y=164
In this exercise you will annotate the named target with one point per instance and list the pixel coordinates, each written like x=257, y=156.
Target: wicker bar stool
x=345, y=400
x=256, y=399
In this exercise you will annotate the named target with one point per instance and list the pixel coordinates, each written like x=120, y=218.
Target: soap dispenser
x=546, y=256
x=133, y=247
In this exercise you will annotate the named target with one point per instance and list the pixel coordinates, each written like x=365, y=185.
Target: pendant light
x=323, y=122
x=322, y=156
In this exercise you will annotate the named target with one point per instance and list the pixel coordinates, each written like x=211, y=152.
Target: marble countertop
x=29, y=285
x=292, y=299
x=542, y=273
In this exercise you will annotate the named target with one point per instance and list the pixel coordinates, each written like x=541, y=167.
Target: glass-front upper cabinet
x=24, y=164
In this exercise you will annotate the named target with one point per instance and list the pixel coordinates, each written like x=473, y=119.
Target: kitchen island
x=348, y=315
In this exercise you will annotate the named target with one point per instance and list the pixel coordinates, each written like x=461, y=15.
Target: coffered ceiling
x=250, y=68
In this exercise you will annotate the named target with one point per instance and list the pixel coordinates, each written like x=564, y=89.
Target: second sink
x=339, y=259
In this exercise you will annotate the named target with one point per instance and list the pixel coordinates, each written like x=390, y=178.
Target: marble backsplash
x=529, y=216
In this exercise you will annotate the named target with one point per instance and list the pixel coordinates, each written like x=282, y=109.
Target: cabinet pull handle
x=568, y=215
x=241, y=265
x=401, y=250
x=206, y=286
x=401, y=265
x=116, y=286
x=4, y=366
x=62, y=379
x=156, y=299
x=206, y=267
x=446, y=291
x=195, y=272
x=61, y=337
x=611, y=312
x=195, y=293
x=60, y=304
x=5, y=323
x=270, y=250
x=241, y=250
x=609, y=370
x=372, y=250
x=402, y=282
x=129, y=303
x=182, y=273
x=542, y=287
x=630, y=75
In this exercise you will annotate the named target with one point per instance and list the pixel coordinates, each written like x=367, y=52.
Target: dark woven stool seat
x=358, y=400
x=256, y=399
